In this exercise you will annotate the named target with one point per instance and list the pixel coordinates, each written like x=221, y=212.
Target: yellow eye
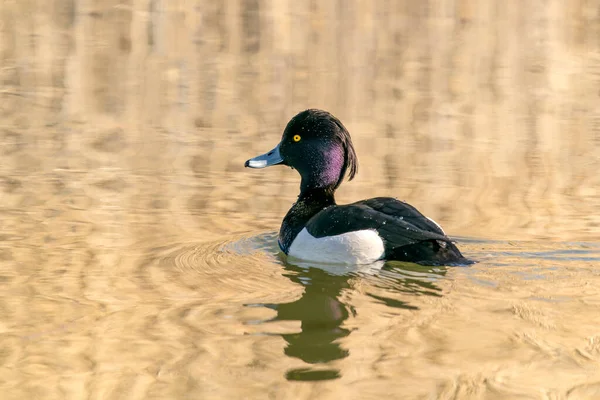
x=297, y=138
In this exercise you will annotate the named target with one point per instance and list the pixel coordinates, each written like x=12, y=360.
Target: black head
x=316, y=144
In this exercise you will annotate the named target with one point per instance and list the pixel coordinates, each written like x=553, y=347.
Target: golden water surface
x=138, y=258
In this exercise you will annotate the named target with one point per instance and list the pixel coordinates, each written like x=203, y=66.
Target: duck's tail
x=430, y=252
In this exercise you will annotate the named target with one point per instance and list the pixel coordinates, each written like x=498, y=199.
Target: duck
x=317, y=229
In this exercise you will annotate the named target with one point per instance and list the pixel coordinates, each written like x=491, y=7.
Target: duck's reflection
x=321, y=311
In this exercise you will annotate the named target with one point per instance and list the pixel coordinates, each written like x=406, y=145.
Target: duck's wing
x=401, y=210
x=397, y=225
x=406, y=233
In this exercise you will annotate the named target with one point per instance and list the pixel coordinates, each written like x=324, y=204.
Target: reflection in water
x=409, y=278
x=322, y=313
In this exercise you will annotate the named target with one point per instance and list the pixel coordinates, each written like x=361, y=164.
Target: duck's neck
x=309, y=203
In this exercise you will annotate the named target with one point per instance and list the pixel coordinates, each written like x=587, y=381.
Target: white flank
x=359, y=247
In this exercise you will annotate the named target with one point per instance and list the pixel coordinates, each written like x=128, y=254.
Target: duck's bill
x=265, y=160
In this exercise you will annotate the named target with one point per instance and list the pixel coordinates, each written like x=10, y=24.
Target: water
x=138, y=257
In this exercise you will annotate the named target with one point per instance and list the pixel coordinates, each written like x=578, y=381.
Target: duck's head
x=318, y=146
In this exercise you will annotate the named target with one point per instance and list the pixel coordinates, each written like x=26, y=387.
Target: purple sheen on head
x=334, y=163
x=327, y=167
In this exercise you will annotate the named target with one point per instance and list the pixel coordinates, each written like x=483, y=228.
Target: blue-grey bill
x=271, y=158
